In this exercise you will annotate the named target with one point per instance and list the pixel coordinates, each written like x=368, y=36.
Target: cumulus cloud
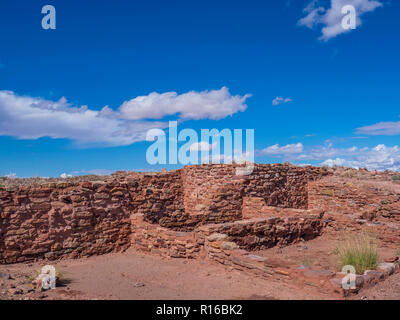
x=327, y=151
x=312, y=11
x=65, y=176
x=284, y=150
x=202, y=146
x=11, y=175
x=237, y=157
x=32, y=118
x=334, y=162
x=381, y=128
x=279, y=100
x=215, y=104
x=380, y=157
x=330, y=19
x=97, y=172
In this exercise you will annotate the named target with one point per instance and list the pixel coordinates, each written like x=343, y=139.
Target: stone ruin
x=171, y=213
x=203, y=212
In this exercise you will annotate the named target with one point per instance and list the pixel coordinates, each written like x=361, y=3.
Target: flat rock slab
x=319, y=274
x=6, y=276
x=386, y=268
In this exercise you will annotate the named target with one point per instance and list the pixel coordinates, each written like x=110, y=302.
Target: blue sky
x=69, y=97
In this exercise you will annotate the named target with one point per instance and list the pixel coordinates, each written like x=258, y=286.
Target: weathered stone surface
x=258, y=233
x=375, y=274
x=386, y=268
x=217, y=237
x=48, y=222
x=357, y=201
x=229, y=245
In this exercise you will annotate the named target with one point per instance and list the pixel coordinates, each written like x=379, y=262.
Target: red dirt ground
x=133, y=275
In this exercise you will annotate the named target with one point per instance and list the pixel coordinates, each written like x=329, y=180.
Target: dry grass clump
x=359, y=251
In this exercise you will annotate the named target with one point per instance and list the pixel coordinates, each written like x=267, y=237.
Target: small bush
x=396, y=178
x=359, y=251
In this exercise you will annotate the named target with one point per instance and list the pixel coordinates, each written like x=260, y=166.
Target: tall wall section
x=214, y=193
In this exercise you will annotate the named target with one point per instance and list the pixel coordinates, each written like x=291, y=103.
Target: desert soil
x=133, y=275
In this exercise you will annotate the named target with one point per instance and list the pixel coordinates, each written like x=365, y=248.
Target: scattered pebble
x=139, y=284
x=6, y=276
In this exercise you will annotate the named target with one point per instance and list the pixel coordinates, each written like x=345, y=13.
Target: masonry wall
x=279, y=185
x=163, y=241
x=212, y=193
x=88, y=218
x=158, y=197
x=269, y=231
x=358, y=205
x=63, y=219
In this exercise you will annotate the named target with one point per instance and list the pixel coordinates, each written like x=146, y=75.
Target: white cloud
x=237, y=157
x=284, y=150
x=381, y=128
x=65, y=176
x=334, y=162
x=215, y=104
x=313, y=11
x=202, y=146
x=97, y=172
x=279, y=100
x=330, y=18
x=11, y=175
x=32, y=118
x=303, y=164
x=327, y=151
x=378, y=158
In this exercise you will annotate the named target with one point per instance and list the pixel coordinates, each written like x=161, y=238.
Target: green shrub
x=396, y=178
x=359, y=251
